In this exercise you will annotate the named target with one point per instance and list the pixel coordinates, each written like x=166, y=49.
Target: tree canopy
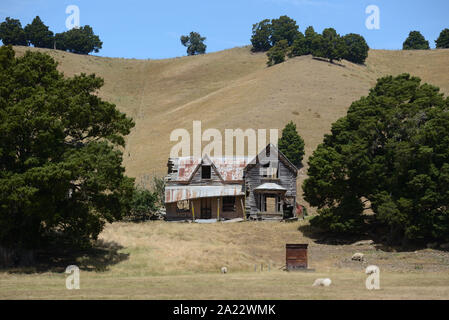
x=11, y=32
x=299, y=46
x=283, y=28
x=38, y=34
x=443, y=40
x=80, y=40
x=356, y=48
x=415, y=41
x=266, y=33
x=329, y=45
x=291, y=144
x=61, y=169
x=261, y=37
x=389, y=154
x=309, y=35
x=194, y=43
x=77, y=40
x=277, y=53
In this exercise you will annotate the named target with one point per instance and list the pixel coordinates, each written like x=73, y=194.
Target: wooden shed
x=296, y=256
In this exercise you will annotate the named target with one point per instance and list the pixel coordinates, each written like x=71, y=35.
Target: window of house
x=183, y=206
x=205, y=172
x=228, y=204
x=267, y=171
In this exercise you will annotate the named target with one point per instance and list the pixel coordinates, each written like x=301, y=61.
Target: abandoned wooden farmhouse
x=263, y=187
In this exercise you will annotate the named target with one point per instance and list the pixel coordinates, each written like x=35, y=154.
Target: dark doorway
x=206, y=208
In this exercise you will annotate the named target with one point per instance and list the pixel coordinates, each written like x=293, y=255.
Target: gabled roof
x=281, y=158
x=229, y=169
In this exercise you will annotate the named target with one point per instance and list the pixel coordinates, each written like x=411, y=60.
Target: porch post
x=218, y=209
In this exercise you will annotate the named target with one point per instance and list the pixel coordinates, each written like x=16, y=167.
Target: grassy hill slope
x=234, y=89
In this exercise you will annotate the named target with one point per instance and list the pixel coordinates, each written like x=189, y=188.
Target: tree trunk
x=13, y=257
x=7, y=257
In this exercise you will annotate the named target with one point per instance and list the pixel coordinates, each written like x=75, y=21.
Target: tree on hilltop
x=38, y=34
x=283, y=28
x=356, y=48
x=12, y=33
x=443, y=40
x=194, y=43
x=80, y=40
x=261, y=36
x=329, y=45
x=415, y=41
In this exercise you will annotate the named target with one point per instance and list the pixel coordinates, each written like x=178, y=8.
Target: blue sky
x=151, y=29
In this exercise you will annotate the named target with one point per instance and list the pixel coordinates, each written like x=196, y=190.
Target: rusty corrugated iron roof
x=179, y=193
x=229, y=168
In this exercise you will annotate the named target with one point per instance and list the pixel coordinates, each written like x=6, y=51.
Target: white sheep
x=372, y=269
x=358, y=257
x=322, y=282
x=224, y=270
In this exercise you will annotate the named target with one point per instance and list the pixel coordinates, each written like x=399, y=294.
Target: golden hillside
x=234, y=89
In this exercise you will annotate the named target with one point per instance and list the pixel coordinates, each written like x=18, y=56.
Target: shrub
x=143, y=205
x=277, y=53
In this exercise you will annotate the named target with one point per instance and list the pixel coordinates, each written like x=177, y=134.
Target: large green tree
x=356, y=48
x=389, y=154
x=291, y=144
x=415, y=41
x=309, y=35
x=261, y=36
x=11, y=32
x=194, y=43
x=283, y=28
x=443, y=40
x=61, y=170
x=299, y=46
x=80, y=40
x=329, y=45
x=38, y=34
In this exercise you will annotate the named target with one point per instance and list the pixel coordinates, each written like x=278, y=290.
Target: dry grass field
x=234, y=89
x=161, y=260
